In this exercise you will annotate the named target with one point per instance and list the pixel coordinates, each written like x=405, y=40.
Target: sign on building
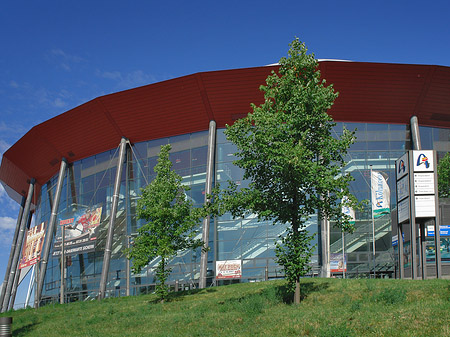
x=229, y=269
x=32, y=247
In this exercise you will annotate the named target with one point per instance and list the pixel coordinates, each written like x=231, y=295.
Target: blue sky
x=59, y=54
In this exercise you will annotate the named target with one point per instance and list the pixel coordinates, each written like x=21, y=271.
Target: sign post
x=417, y=202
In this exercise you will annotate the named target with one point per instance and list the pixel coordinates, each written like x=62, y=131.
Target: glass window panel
x=180, y=143
x=180, y=160
x=384, y=145
x=88, y=183
x=87, y=162
x=140, y=150
x=154, y=146
x=199, y=139
x=199, y=156
x=358, y=146
x=225, y=152
x=377, y=127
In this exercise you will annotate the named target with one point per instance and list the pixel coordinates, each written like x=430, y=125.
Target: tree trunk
x=297, y=292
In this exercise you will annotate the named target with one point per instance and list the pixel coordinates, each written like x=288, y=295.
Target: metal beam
x=208, y=190
x=437, y=224
x=16, y=277
x=49, y=234
x=112, y=220
x=13, y=248
x=415, y=134
x=23, y=224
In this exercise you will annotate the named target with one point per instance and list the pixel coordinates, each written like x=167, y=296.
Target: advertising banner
x=381, y=195
x=229, y=269
x=80, y=232
x=349, y=211
x=31, y=252
x=338, y=263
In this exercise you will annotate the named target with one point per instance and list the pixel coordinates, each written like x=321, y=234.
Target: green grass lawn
x=330, y=307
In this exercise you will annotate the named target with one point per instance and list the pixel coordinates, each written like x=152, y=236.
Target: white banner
x=381, y=195
x=348, y=210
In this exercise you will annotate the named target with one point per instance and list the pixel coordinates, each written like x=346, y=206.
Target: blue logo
x=422, y=159
x=401, y=167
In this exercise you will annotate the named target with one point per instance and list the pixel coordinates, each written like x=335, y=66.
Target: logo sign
x=229, y=269
x=423, y=161
x=402, y=166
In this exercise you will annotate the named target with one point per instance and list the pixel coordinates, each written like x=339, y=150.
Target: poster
x=338, y=263
x=80, y=232
x=32, y=247
x=229, y=269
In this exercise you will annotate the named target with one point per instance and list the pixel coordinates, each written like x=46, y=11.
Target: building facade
x=376, y=100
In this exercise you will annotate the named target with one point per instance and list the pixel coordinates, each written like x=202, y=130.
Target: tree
x=172, y=220
x=443, y=171
x=287, y=149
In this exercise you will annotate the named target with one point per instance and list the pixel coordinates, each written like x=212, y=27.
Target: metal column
x=437, y=226
x=112, y=220
x=49, y=234
x=13, y=248
x=17, y=276
x=415, y=138
x=23, y=224
x=208, y=190
x=401, y=261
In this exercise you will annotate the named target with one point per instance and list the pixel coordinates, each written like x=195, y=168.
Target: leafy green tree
x=171, y=222
x=287, y=150
x=443, y=171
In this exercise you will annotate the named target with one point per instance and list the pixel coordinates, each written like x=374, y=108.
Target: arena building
x=85, y=167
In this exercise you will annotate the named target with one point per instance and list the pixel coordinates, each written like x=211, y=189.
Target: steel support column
x=23, y=224
x=112, y=220
x=415, y=138
x=13, y=248
x=49, y=234
x=437, y=226
x=17, y=276
x=208, y=190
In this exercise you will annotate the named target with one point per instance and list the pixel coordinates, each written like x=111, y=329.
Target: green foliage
x=390, y=296
x=287, y=150
x=294, y=253
x=443, y=172
x=171, y=221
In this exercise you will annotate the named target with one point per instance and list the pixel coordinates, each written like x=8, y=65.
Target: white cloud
x=111, y=75
x=7, y=227
x=128, y=80
x=13, y=84
x=3, y=145
x=63, y=59
x=7, y=223
x=59, y=103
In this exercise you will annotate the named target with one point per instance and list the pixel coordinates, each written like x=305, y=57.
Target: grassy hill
x=330, y=307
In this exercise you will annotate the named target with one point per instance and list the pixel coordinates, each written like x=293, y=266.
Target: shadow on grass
x=25, y=330
x=179, y=295
x=254, y=303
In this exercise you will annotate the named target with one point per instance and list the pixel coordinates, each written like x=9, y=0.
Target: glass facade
x=89, y=185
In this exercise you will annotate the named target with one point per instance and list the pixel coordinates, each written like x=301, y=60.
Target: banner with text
x=381, y=195
x=31, y=252
x=229, y=269
x=80, y=232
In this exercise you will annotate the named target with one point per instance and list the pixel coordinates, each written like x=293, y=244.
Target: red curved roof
x=369, y=92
